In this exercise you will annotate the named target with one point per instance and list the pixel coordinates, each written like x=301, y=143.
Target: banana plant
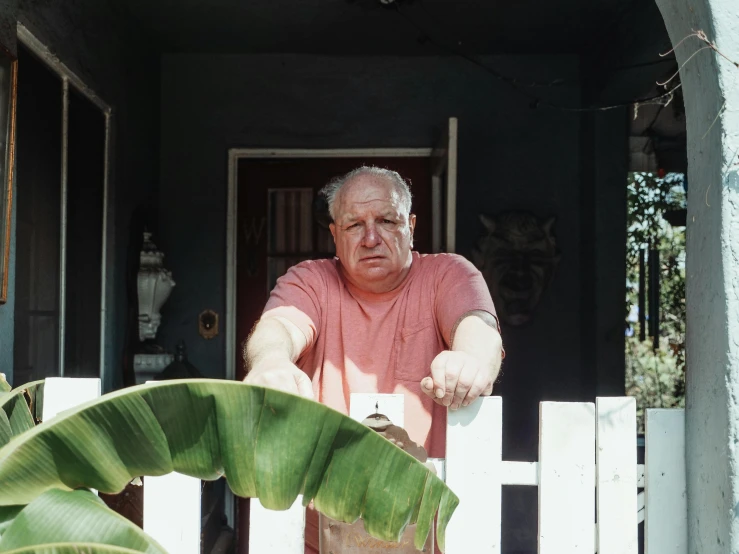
x=266, y=444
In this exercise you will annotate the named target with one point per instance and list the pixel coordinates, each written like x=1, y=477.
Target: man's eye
x=387, y=221
x=353, y=225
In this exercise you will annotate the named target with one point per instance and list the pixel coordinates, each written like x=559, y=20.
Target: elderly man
x=379, y=317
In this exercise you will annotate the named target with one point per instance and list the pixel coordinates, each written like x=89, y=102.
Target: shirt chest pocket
x=415, y=348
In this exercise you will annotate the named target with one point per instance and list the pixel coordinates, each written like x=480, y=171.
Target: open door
x=444, y=190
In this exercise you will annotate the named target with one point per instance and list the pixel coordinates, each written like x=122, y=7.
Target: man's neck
x=378, y=288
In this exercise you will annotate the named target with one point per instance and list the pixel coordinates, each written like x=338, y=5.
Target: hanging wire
x=662, y=99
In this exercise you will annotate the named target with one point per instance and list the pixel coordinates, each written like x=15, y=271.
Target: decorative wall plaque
x=517, y=256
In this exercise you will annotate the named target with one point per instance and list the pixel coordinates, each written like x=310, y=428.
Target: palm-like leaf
x=6, y=433
x=269, y=445
x=58, y=517
x=73, y=548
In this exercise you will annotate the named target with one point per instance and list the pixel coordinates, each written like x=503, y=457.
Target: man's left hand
x=457, y=379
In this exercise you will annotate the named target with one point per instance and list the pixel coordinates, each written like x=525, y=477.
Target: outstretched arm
x=270, y=354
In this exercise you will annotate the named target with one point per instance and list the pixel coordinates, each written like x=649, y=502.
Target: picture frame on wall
x=8, y=96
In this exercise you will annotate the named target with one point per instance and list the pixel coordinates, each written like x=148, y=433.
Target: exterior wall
x=8, y=14
x=7, y=320
x=712, y=420
x=95, y=39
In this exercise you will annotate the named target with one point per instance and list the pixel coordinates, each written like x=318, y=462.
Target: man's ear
x=332, y=228
x=412, y=225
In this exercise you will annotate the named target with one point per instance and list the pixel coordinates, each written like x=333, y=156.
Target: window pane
x=39, y=116
x=86, y=159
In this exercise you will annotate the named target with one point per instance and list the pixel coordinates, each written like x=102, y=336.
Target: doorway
x=282, y=222
x=272, y=222
x=275, y=220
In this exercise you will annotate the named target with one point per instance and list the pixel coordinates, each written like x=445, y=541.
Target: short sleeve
x=297, y=296
x=460, y=288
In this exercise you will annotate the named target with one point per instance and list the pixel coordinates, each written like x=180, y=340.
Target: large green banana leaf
x=6, y=433
x=4, y=385
x=58, y=517
x=269, y=445
x=73, y=548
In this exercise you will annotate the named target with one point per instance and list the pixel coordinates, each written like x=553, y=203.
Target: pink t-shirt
x=383, y=343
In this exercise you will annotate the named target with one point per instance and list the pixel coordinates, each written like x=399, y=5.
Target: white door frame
x=234, y=155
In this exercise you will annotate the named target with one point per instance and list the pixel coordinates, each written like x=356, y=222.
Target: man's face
x=373, y=234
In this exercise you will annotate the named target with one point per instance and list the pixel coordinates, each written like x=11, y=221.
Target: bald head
x=332, y=191
x=372, y=228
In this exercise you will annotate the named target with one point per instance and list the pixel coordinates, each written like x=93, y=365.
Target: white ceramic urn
x=154, y=286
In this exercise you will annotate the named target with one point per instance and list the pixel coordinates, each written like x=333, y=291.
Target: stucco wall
x=711, y=90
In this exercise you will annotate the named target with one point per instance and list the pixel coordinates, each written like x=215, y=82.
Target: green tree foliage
x=656, y=377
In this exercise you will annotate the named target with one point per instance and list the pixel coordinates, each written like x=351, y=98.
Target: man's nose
x=371, y=237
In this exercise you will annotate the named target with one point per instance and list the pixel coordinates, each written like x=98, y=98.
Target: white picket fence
x=592, y=492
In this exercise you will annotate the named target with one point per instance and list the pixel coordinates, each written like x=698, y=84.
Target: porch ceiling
x=365, y=27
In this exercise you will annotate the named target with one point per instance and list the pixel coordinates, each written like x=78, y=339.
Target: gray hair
x=331, y=190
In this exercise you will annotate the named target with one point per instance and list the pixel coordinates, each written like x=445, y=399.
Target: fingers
x=480, y=386
x=468, y=376
x=305, y=387
x=438, y=376
x=445, y=373
x=457, y=379
x=427, y=387
x=454, y=367
x=285, y=379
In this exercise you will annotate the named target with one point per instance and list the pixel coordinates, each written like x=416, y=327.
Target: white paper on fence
x=473, y=457
x=362, y=405
x=272, y=532
x=64, y=393
x=172, y=512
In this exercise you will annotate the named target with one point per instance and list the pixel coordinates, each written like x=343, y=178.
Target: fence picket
x=666, y=518
x=616, y=476
x=474, y=448
x=273, y=531
x=64, y=393
x=581, y=445
x=566, y=478
x=172, y=511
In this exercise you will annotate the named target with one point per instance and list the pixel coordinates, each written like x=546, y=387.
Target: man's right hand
x=271, y=351
x=282, y=375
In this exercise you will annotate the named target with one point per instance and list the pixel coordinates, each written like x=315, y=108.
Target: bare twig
x=700, y=35
x=709, y=45
x=683, y=65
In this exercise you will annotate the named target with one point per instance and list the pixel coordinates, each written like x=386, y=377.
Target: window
x=293, y=237
x=60, y=238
